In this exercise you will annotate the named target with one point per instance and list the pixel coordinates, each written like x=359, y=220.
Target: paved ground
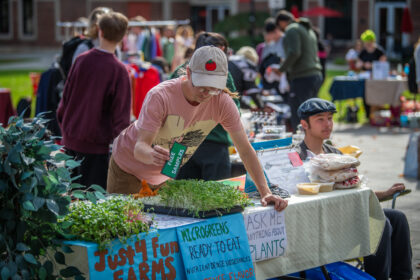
x=382, y=162
x=26, y=59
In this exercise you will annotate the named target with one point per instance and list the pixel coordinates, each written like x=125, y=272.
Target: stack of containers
x=340, y=169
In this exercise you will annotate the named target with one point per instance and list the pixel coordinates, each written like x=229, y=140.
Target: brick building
x=33, y=22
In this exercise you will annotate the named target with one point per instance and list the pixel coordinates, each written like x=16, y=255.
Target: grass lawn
x=19, y=83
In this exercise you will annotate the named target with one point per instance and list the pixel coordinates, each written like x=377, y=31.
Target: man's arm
x=148, y=154
x=292, y=45
x=253, y=166
x=381, y=195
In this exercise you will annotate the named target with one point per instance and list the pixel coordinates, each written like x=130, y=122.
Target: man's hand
x=279, y=203
x=159, y=155
x=391, y=191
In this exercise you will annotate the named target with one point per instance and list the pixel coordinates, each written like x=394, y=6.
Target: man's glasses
x=211, y=91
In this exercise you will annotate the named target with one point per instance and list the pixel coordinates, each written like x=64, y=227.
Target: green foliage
x=241, y=25
x=240, y=22
x=35, y=190
x=116, y=217
x=199, y=195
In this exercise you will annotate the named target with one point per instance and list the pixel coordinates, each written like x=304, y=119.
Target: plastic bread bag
x=349, y=183
x=334, y=161
x=336, y=175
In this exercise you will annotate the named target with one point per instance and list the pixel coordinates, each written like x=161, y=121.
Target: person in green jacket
x=211, y=160
x=301, y=61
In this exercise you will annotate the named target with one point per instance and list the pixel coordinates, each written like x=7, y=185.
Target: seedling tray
x=182, y=212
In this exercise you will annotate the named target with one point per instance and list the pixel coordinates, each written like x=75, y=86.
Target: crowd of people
x=196, y=102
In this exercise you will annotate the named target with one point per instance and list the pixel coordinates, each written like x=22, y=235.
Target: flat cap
x=315, y=106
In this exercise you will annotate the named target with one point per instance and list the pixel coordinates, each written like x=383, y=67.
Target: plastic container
x=326, y=186
x=308, y=188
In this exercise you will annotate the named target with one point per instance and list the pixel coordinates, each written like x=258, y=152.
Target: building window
x=28, y=18
x=5, y=17
x=339, y=27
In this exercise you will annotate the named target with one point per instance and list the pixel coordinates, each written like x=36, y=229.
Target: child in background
x=95, y=106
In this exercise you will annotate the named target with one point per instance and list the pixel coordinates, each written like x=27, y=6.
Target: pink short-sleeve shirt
x=167, y=111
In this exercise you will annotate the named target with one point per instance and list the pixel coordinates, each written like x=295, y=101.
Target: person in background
x=91, y=32
x=371, y=51
x=322, y=52
x=96, y=102
x=134, y=39
x=167, y=42
x=273, y=40
x=211, y=160
x=352, y=55
x=184, y=39
x=301, y=61
x=393, y=257
x=243, y=67
x=183, y=110
x=417, y=63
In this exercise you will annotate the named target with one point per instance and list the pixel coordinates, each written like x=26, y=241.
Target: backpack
x=68, y=50
x=412, y=84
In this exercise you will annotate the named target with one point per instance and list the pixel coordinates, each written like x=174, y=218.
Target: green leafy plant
x=116, y=217
x=35, y=190
x=198, y=195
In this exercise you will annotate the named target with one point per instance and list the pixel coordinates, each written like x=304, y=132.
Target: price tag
x=171, y=167
x=295, y=159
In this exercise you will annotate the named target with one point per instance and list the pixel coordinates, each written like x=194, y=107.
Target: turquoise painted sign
x=216, y=249
x=148, y=256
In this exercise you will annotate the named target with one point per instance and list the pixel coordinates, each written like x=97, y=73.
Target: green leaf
x=52, y=205
x=74, y=186
x=5, y=273
x=61, y=157
x=59, y=257
x=26, y=175
x=92, y=198
x=66, y=224
x=72, y=163
x=27, y=160
x=22, y=247
x=44, y=150
x=79, y=194
x=63, y=173
x=49, y=267
x=38, y=202
x=70, y=271
x=53, y=179
x=28, y=205
x=3, y=185
x=99, y=195
x=42, y=273
x=97, y=188
x=14, y=156
x=30, y=258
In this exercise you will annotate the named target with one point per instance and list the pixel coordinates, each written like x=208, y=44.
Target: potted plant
x=35, y=190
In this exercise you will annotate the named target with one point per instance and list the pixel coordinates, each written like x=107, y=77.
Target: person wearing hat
x=371, y=51
x=183, y=110
x=301, y=62
x=393, y=257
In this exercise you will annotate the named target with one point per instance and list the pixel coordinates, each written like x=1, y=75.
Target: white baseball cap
x=209, y=67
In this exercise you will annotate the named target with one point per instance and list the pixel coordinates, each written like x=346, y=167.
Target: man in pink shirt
x=183, y=110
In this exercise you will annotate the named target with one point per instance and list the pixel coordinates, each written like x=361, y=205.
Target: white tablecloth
x=326, y=228
x=381, y=92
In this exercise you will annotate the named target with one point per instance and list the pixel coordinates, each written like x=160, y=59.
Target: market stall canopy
x=321, y=11
x=406, y=22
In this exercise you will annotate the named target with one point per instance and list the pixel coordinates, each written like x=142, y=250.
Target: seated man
x=393, y=257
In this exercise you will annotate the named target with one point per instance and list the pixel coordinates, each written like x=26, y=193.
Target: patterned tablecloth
x=325, y=228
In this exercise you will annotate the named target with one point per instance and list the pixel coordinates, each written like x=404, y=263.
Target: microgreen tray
x=182, y=212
